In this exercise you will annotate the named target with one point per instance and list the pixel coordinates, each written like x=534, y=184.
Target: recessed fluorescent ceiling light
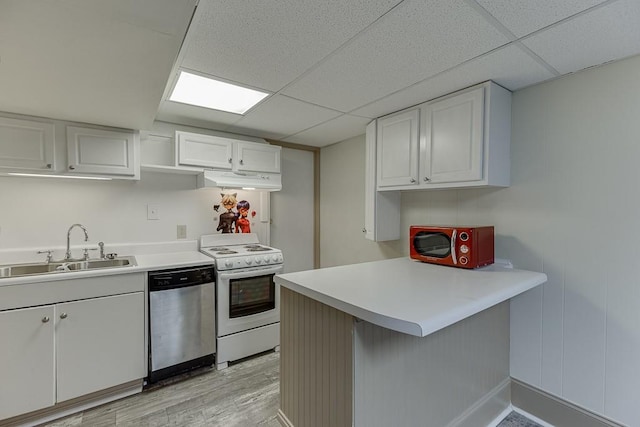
x=205, y=92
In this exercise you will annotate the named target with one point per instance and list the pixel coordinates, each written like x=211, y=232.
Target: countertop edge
x=419, y=329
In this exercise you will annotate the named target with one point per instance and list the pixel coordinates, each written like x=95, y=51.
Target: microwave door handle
x=453, y=246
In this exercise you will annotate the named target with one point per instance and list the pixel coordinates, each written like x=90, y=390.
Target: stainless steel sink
x=19, y=270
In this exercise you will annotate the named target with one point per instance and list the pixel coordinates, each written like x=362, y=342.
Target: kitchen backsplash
x=37, y=212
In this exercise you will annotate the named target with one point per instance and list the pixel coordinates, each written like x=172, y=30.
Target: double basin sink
x=20, y=270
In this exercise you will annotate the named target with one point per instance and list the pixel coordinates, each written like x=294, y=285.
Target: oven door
x=440, y=245
x=247, y=299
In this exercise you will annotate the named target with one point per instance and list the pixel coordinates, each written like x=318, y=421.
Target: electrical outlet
x=153, y=212
x=182, y=232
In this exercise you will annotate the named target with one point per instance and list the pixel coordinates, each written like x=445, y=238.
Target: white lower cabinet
x=52, y=353
x=27, y=362
x=99, y=344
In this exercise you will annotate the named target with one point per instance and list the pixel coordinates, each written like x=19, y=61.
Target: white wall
x=572, y=211
x=292, y=211
x=36, y=212
x=342, y=208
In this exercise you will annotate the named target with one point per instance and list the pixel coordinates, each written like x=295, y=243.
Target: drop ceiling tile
x=336, y=130
x=510, y=67
x=268, y=44
x=280, y=116
x=523, y=17
x=416, y=40
x=164, y=16
x=175, y=112
x=608, y=33
x=73, y=61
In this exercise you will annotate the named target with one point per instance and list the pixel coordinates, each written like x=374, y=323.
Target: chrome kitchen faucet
x=67, y=255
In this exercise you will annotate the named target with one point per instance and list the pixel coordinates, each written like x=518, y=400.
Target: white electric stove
x=247, y=298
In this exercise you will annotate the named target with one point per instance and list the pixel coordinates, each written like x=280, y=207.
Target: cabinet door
x=99, y=344
x=102, y=152
x=27, y=366
x=26, y=145
x=453, y=129
x=204, y=150
x=397, y=161
x=382, y=209
x=256, y=157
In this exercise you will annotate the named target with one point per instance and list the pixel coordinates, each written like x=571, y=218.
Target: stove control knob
x=228, y=263
x=266, y=259
x=258, y=260
x=248, y=260
x=274, y=258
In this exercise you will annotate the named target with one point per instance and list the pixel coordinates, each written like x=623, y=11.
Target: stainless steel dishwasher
x=182, y=329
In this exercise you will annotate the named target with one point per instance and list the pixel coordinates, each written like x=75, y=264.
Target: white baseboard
x=549, y=410
x=504, y=414
x=488, y=408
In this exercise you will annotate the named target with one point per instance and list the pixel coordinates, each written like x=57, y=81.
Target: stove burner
x=225, y=252
x=256, y=248
x=218, y=248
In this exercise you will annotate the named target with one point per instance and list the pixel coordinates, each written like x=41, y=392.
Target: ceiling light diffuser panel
x=214, y=94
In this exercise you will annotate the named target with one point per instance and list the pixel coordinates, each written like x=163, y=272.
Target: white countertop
x=410, y=296
x=149, y=257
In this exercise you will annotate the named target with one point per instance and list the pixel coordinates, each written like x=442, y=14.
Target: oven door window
x=251, y=295
x=436, y=245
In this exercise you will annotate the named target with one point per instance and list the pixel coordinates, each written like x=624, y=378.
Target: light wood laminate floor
x=245, y=394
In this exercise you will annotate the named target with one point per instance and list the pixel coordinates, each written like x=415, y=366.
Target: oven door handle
x=226, y=275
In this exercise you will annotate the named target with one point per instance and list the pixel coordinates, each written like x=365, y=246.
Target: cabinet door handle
x=48, y=165
x=45, y=319
x=364, y=230
x=241, y=162
x=230, y=160
x=71, y=167
x=426, y=179
x=413, y=181
x=63, y=315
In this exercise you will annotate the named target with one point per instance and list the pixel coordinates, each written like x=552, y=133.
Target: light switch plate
x=153, y=212
x=182, y=232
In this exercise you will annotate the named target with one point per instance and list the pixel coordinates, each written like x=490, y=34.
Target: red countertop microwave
x=464, y=247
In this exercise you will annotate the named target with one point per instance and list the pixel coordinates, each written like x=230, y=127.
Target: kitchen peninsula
x=397, y=342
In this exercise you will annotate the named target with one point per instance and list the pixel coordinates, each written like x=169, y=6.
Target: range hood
x=240, y=180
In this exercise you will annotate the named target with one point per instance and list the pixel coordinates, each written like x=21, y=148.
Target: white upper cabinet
x=27, y=145
x=453, y=138
x=103, y=152
x=216, y=152
x=397, y=149
x=382, y=209
x=464, y=141
x=252, y=157
x=206, y=151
